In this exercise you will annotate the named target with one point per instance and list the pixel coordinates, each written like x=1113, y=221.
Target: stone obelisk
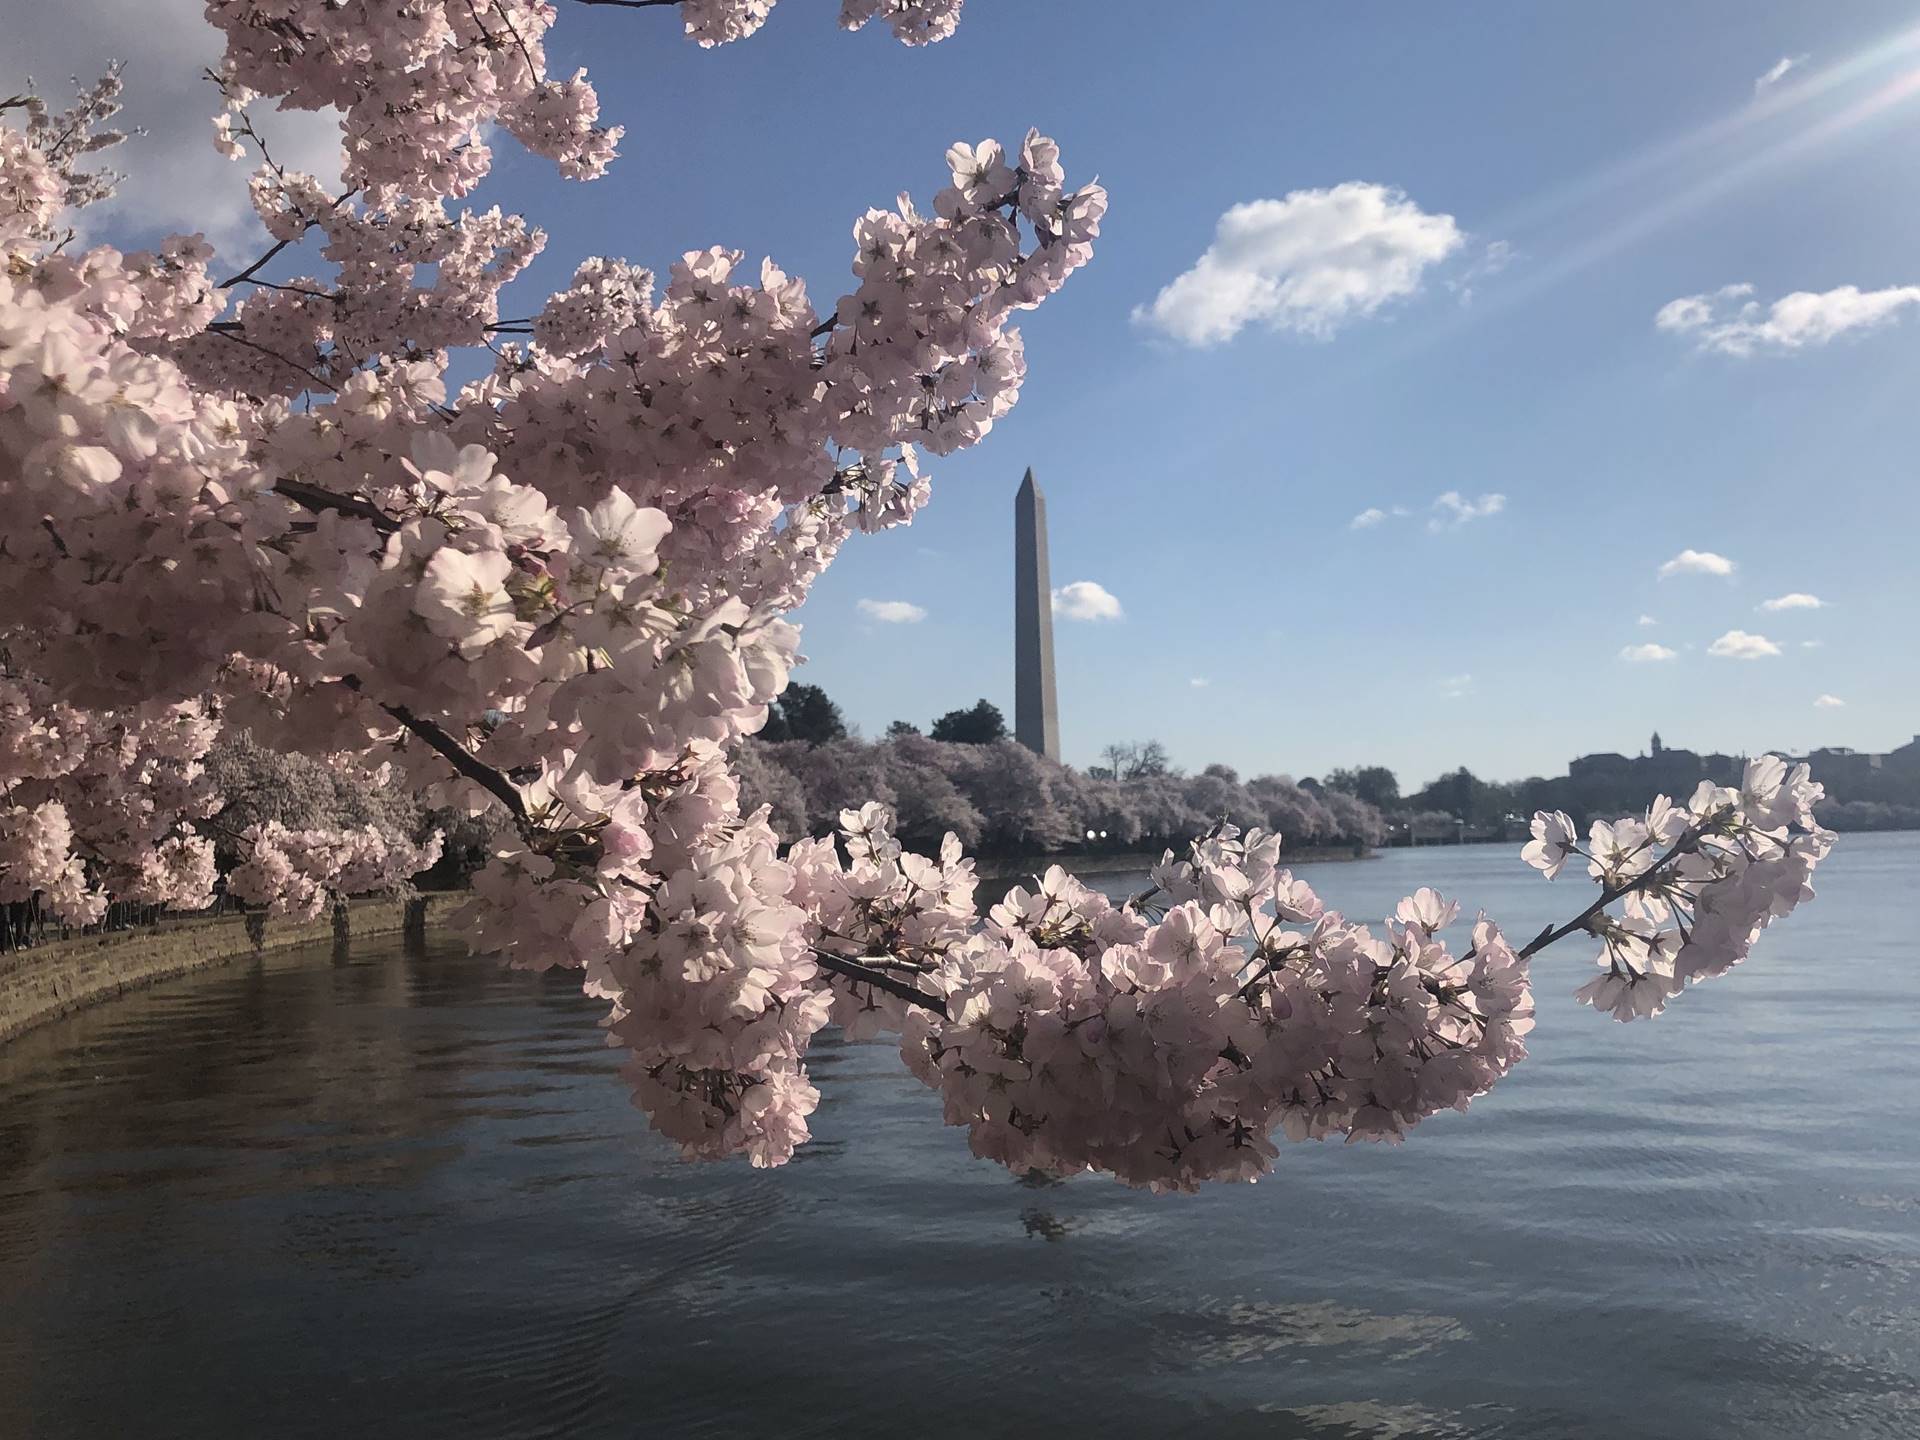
x=1036, y=713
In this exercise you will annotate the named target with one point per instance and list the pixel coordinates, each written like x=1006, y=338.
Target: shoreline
x=40, y=983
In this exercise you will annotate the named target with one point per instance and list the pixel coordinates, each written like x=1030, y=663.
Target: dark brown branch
x=315, y=498
x=294, y=365
x=879, y=979
x=1642, y=881
x=255, y=268
x=457, y=755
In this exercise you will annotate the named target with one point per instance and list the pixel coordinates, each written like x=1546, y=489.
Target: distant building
x=1661, y=769
x=1892, y=777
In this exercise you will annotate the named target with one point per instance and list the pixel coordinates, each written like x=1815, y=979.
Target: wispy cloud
x=1308, y=264
x=1777, y=72
x=1199, y=682
x=1811, y=644
x=1729, y=322
x=1451, y=511
x=892, y=612
x=1086, y=600
x=1456, y=687
x=1641, y=654
x=1490, y=262
x=1697, y=562
x=1374, y=515
x=1740, y=645
x=1795, y=600
x=1828, y=702
x=1646, y=620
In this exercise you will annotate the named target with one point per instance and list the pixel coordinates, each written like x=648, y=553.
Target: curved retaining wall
x=47, y=981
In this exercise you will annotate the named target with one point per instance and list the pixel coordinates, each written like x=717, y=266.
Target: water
x=390, y=1194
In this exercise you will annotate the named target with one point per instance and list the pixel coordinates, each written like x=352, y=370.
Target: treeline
x=1492, y=805
x=1001, y=799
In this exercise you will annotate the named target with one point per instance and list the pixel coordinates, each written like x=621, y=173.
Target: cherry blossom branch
x=228, y=334
x=880, y=980
x=1688, y=841
x=257, y=266
x=316, y=498
x=493, y=781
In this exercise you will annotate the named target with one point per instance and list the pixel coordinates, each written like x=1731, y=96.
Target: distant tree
x=804, y=712
x=1374, y=784
x=901, y=727
x=764, y=781
x=1136, y=760
x=981, y=725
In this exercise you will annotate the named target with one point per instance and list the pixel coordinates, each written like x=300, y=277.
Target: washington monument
x=1036, y=713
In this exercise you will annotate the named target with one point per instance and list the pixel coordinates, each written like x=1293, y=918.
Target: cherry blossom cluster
x=1080, y=1034
x=419, y=86
x=1698, y=882
x=558, y=594
x=101, y=804
x=301, y=873
x=40, y=160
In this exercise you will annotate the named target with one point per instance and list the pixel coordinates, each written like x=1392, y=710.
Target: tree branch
x=315, y=498
x=866, y=975
x=255, y=268
x=457, y=755
x=294, y=365
x=1607, y=896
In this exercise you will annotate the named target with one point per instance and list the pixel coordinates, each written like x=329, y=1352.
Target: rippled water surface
x=383, y=1193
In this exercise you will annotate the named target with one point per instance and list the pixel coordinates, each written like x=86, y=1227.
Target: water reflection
x=386, y=1191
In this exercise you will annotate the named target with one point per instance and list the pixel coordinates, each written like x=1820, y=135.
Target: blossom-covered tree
x=244, y=496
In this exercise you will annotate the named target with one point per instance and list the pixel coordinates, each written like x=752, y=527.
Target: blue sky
x=1617, y=158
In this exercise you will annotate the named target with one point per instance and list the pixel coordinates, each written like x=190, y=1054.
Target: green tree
x=1374, y=784
x=804, y=712
x=981, y=725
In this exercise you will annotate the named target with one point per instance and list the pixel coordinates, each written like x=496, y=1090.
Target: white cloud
x=893, y=612
x=1199, y=682
x=1697, y=562
x=1373, y=515
x=1309, y=264
x=1086, y=600
x=1811, y=644
x=1739, y=645
x=1640, y=654
x=1646, y=620
x=1729, y=322
x=1777, y=72
x=1795, y=600
x=1450, y=511
x=1829, y=702
x=1455, y=687
x=175, y=180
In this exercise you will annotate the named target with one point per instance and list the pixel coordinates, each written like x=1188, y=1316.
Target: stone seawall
x=44, y=982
